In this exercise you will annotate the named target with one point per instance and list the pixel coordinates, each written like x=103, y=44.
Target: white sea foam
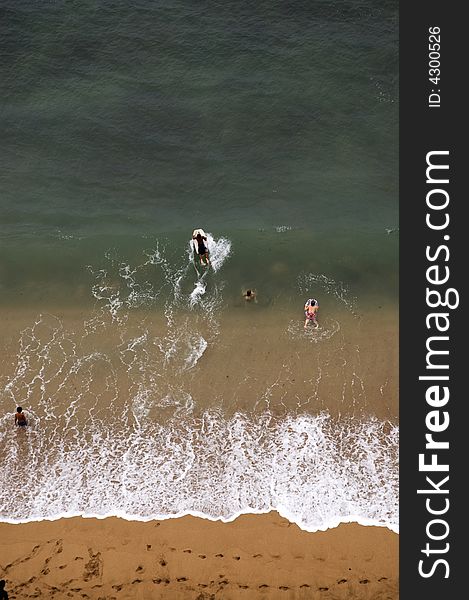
x=315, y=471
x=310, y=283
x=197, y=348
x=326, y=329
x=220, y=250
x=197, y=293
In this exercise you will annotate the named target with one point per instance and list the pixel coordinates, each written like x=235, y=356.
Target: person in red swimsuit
x=311, y=308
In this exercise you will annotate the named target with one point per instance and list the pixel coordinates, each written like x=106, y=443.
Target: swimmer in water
x=250, y=295
x=20, y=417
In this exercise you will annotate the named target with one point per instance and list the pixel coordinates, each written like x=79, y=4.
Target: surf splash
x=311, y=283
x=315, y=471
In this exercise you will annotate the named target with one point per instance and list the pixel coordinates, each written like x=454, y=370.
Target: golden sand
x=253, y=557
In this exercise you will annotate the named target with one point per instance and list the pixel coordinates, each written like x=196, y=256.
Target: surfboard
x=195, y=246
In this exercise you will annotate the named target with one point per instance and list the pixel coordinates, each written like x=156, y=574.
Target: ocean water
x=152, y=388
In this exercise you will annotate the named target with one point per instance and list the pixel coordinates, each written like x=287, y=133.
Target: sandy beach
x=255, y=556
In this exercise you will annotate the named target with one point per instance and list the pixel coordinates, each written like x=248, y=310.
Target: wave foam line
x=313, y=470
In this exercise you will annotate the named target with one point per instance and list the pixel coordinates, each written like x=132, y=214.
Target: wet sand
x=255, y=359
x=256, y=556
x=253, y=557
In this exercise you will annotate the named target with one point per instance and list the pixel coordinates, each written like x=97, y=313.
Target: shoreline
x=345, y=520
x=254, y=556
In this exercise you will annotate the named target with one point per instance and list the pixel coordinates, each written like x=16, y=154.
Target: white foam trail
x=219, y=249
x=179, y=400
x=197, y=293
x=310, y=282
x=197, y=348
x=315, y=471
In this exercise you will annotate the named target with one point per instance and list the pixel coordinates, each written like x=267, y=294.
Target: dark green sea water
x=151, y=118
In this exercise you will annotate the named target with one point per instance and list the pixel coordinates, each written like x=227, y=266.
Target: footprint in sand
x=78, y=557
x=188, y=550
x=237, y=557
x=218, y=555
x=244, y=587
x=383, y=579
x=257, y=555
x=341, y=581
x=34, y=551
x=163, y=563
x=181, y=579
x=62, y=566
x=224, y=582
x=305, y=585
x=263, y=586
x=148, y=546
x=202, y=585
x=136, y=581
x=45, y=571
x=117, y=587
x=94, y=567
x=202, y=556
x=323, y=589
x=283, y=587
x=364, y=581
x=139, y=569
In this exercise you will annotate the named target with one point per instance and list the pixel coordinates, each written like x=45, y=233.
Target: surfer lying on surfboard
x=199, y=241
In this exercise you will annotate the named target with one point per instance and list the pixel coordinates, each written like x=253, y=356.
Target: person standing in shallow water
x=3, y=592
x=311, y=309
x=20, y=417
